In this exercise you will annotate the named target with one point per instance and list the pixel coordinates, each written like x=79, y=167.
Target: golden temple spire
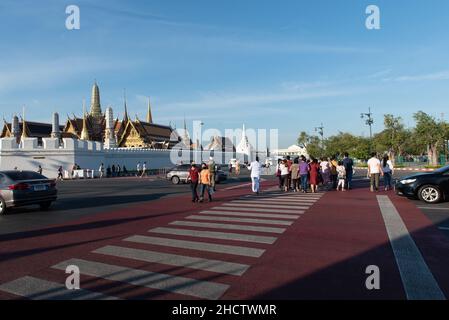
x=125, y=117
x=84, y=132
x=149, y=116
x=95, y=107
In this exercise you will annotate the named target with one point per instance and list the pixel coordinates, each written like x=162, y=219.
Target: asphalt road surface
x=78, y=198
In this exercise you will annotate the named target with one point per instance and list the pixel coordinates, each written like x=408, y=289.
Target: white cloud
x=435, y=76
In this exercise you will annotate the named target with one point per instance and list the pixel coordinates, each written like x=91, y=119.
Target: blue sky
x=270, y=64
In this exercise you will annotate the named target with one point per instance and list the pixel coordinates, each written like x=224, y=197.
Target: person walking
x=230, y=167
x=113, y=169
x=39, y=169
x=289, y=177
x=341, y=175
x=255, y=169
x=304, y=174
x=325, y=171
x=314, y=175
x=294, y=170
x=194, y=176
x=212, y=169
x=278, y=174
x=138, y=169
x=144, y=169
x=237, y=168
x=387, y=169
x=374, y=172
x=60, y=173
x=205, y=181
x=334, y=173
x=119, y=170
x=284, y=175
x=101, y=170
x=349, y=166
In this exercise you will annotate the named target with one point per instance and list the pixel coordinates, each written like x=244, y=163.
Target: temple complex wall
x=89, y=155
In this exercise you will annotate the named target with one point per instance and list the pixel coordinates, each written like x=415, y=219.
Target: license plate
x=40, y=187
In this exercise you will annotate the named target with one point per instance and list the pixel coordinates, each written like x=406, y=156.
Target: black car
x=431, y=187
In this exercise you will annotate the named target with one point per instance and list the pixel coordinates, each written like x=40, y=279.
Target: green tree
x=393, y=138
x=430, y=134
x=312, y=144
x=356, y=146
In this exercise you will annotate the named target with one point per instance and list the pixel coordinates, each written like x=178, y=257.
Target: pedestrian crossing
x=219, y=242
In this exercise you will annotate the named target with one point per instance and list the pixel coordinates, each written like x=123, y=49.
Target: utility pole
x=320, y=131
x=369, y=121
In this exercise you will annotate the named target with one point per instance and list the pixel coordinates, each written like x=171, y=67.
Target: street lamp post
x=369, y=121
x=320, y=131
x=201, y=142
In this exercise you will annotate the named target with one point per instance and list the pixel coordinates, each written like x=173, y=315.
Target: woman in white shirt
x=283, y=166
x=387, y=169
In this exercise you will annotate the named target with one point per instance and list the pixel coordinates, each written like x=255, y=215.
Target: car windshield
x=23, y=175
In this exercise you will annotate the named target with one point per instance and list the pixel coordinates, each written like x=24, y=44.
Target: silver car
x=22, y=188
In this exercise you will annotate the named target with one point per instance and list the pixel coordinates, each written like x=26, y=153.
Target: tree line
x=427, y=138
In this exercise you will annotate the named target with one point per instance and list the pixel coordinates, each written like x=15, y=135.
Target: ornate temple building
x=98, y=126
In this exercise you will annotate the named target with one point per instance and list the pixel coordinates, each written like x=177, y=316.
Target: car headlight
x=407, y=181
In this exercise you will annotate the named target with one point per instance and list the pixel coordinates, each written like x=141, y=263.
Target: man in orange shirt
x=205, y=181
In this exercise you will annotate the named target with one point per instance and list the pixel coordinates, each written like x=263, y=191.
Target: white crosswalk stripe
x=187, y=286
x=244, y=220
x=259, y=209
x=214, y=235
x=264, y=205
x=251, y=214
x=227, y=226
x=175, y=260
x=200, y=246
x=39, y=289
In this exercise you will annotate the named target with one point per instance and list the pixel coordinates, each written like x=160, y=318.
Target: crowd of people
x=302, y=175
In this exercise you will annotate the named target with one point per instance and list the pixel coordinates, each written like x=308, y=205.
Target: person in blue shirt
x=348, y=163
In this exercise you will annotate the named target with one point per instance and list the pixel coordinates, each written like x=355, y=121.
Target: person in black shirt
x=348, y=163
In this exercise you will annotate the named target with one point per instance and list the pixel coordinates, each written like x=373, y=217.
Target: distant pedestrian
x=387, y=169
x=304, y=174
x=101, y=170
x=349, y=166
x=39, y=169
x=294, y=170
x=255, y=168
x=60, y=173
x=237, y=168
x=119, y=170
x=194, y=176
x=325, y=171
x=108, y=171
x=374, y=172
x=230, y=167
x=334, y=173
x=278, y=174
x=144, y=169
x=113, y=170
x=284, y=175
x=213, y=169
x=138, y=169
x=341, y=174
x=314, y=175
x=205, y=181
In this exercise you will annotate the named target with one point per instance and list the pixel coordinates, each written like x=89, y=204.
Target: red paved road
x=322, y=255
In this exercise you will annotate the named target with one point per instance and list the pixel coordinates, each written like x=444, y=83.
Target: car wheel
x=45, y=205
x=429, y=194
x=2, y=206
x=175, y=180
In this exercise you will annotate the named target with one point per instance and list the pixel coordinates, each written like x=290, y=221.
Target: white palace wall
x=89, y=155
